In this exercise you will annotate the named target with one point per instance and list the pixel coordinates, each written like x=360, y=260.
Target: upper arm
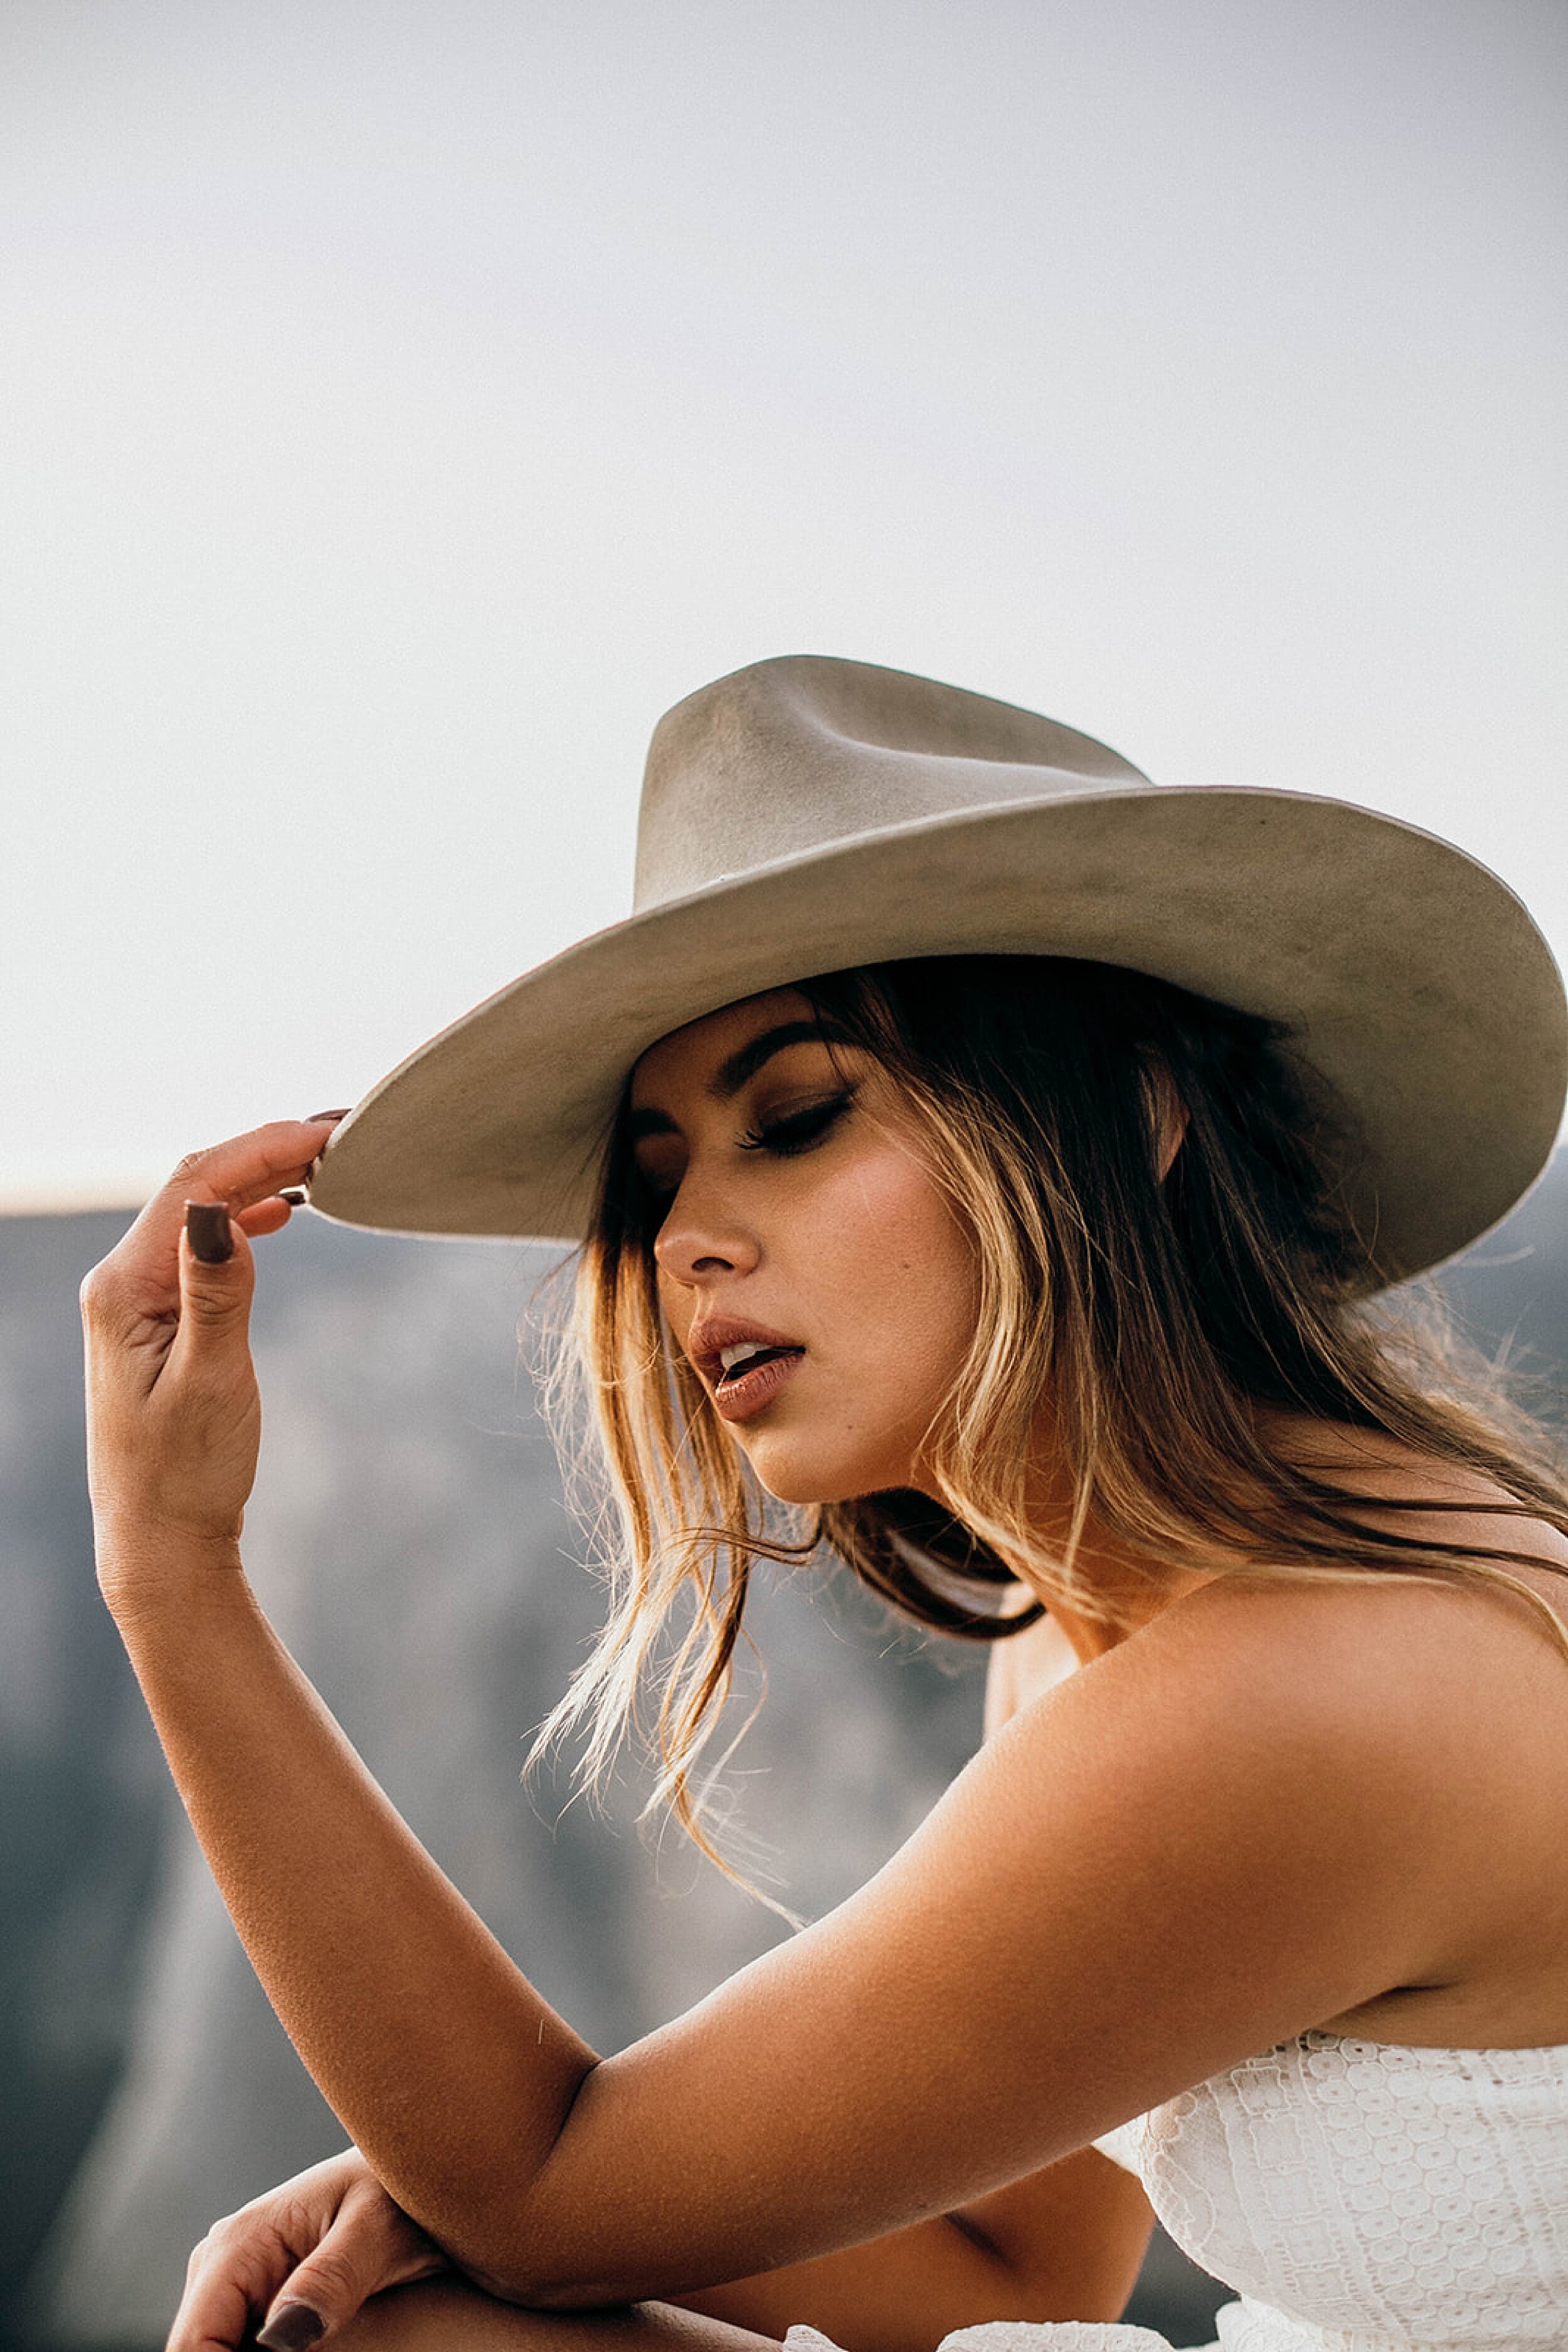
x=1168, y=1863
x=1064, y=2242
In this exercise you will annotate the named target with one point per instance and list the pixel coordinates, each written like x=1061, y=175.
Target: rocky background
x=410, y=1537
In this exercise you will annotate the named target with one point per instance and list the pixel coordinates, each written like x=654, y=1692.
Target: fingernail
x=317, y=1117
x=296, y=1196
x=292, y=2328
x=211, y=1243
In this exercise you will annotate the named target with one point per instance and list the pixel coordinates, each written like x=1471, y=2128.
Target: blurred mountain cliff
x=409, y=1537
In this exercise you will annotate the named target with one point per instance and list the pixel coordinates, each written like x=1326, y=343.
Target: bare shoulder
x=1418, y=1727
x=1396, y=1670
x=1251, y=1817
x=1394, y=1630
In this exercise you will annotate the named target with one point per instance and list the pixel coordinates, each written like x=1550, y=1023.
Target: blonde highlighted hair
x=1144, y=1323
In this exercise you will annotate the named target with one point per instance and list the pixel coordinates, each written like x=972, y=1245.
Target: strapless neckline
x=1358, y=2196
x=1548, y=2050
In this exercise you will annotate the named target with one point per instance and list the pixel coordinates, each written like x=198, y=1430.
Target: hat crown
x=807, y=813
x=800, y=753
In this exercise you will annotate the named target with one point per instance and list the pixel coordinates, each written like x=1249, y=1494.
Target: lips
x=745, y=1391
x=745, y=1364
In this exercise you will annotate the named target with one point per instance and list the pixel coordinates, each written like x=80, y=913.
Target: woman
x=1018, y=1257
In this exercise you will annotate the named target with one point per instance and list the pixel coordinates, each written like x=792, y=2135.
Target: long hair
x=1142, y=1324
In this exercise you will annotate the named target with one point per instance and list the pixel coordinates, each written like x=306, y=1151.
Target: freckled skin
x=821, y=1248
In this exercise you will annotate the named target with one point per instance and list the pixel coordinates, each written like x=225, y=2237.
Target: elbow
x=524, y=2265
x=507, y=2262
x=527, y=2242
x=532, y=2287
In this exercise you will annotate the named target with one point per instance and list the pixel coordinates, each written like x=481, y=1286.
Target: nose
x=700, y=1239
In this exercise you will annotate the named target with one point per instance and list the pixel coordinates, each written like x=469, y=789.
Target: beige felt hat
x=807, y=813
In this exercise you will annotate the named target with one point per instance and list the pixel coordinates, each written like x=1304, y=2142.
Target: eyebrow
x=742, y=1065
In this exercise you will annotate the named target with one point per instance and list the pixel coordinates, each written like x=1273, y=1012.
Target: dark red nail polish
x=292, y=2329
x=296, y=1196
x=208, y=1231
x=318, y=1116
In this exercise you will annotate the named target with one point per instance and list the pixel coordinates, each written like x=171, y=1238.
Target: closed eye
x=797, y=1130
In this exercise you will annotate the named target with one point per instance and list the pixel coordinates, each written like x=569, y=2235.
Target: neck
x=1131, y=1592
x=1128, y=1594
x=1122, y=1591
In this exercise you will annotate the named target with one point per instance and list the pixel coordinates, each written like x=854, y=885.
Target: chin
x=794, y=1475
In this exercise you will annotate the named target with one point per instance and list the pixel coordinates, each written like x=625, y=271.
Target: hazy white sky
x=404, y=404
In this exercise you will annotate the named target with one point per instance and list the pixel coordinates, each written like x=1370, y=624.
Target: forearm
x=443, y=2065
x=836, y=2092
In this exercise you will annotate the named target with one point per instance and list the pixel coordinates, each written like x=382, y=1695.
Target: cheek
x=891, y=1245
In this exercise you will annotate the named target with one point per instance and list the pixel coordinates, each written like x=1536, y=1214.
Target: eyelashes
x=798, y=1129
x=784, y=1137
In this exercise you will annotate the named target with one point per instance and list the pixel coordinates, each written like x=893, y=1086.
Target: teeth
x=730, y=1357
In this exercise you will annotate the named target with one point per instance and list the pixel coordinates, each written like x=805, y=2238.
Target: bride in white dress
x=1022, y=1260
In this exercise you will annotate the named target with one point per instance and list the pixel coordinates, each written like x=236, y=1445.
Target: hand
x=311, y=2252
x=173, y=1417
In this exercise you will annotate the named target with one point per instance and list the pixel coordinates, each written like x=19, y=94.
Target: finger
x=140, y=1276
x=358, y=2256
x=214, y=1293
x=227, y=2281
x=266, y=1217
x=249, y=1168
x=214, y=2316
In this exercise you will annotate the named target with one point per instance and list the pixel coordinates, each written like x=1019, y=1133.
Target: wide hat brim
x=1413, y=979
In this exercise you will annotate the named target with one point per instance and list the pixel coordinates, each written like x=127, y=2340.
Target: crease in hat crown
x=796, y=754
x=807, y=813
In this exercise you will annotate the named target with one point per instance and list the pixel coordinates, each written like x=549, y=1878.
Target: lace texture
x=1359, y=2196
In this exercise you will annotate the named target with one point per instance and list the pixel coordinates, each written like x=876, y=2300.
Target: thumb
x=354, y=2261
x=217, y=1273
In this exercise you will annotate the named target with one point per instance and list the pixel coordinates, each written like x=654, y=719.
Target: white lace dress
x=1359, y=2196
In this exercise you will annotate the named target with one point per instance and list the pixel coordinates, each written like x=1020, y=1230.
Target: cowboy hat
x=807, y=813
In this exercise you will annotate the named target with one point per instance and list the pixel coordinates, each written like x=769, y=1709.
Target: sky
x=404, y=404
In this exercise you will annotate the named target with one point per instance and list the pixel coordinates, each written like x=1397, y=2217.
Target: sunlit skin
x=803, y=1199
x=1275, y=1808
x=840, y=1240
